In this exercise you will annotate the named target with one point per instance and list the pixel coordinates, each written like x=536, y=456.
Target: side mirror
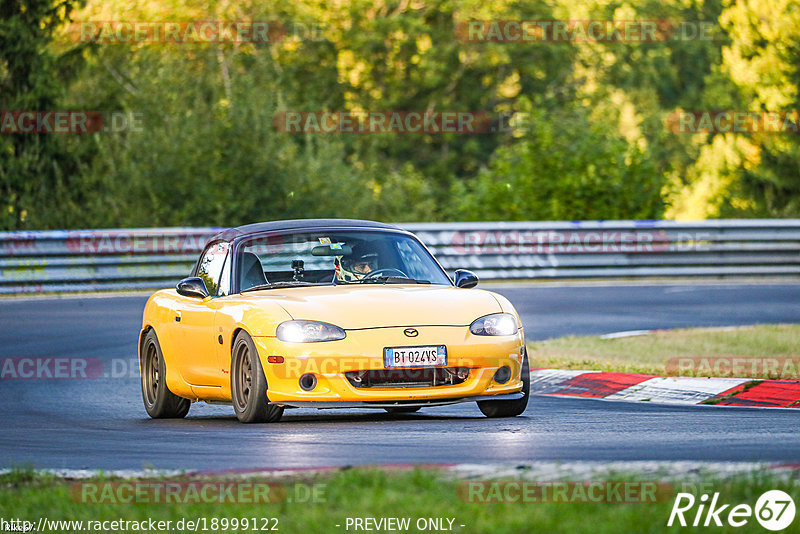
x=192, y=287
x=466, y=278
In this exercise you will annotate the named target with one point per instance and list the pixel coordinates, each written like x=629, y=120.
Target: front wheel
x=249, y=385
x=159, y=401
x=510, y=408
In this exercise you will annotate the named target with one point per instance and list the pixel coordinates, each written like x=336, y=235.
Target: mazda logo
x=411, y=332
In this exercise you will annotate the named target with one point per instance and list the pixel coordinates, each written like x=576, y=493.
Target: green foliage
x=211, y=155
x=416, y=495
x=763, y=61
x=564, y=167
x=589, y=139
x=36, y=171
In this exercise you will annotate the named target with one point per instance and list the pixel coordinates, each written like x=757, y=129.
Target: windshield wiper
x=392, y=280
x=278, y=285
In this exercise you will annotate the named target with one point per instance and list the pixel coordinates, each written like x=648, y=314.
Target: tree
x=564, y=167
x=763, y=60
x=749, y=173
x=37, y=171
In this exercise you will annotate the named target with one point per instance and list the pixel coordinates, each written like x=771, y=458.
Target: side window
x=211, y=266
x=225, y=279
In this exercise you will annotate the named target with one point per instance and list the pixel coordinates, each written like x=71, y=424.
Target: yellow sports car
x=328, y=313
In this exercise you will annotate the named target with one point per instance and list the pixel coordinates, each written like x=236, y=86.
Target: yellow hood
x=372, y=306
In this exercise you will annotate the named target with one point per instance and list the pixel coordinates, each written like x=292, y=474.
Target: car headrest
x=252, y=272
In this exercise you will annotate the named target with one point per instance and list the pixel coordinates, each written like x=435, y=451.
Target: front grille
x=408, y=378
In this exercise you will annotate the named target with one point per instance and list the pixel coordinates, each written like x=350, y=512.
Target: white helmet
x=355, y=266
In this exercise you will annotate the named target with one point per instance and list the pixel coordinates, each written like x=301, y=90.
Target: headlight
x=496, y=324
x=308, y=332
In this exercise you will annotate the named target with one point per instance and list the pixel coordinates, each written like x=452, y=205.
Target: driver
x=357, y=265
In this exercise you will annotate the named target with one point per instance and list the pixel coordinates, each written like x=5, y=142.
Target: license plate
x=427, y=356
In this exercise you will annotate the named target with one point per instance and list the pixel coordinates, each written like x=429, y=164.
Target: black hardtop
x=297, y=224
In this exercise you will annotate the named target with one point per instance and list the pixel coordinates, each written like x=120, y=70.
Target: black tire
x=249, y=385
x=410, y=409
x=159, y=401
x=510, y=408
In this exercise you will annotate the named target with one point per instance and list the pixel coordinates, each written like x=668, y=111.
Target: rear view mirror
x=192, y=287
x=466, y=278
x=332, y=249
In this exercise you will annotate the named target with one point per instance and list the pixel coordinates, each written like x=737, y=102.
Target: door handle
x=177, y=316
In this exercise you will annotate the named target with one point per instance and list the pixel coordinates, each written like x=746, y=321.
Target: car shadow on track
x=322, y=418
x=375, y=417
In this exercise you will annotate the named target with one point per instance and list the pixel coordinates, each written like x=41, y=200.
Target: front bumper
x=396, y=404
x=363, y=350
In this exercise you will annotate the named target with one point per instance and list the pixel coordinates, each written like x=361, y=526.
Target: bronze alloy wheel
x=249, y=385
x=151, y=375
x=244, y=376
x=159, y=401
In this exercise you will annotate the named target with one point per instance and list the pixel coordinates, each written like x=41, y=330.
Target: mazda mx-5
x=328, y=313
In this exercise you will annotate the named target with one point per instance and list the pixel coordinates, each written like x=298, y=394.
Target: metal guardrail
x=148, y=258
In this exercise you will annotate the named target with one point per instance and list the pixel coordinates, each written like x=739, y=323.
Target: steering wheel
x=386, y=272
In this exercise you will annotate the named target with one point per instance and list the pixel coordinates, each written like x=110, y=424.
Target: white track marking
x=677, y=390
x=552, y=380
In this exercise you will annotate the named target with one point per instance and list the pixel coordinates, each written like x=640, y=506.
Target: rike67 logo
x=774, y=510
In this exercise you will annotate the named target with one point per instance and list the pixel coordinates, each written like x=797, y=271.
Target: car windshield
x=335, y=257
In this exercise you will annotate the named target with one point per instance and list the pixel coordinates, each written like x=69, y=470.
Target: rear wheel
x=159, y=401
x=510, y=408
x=249, y=385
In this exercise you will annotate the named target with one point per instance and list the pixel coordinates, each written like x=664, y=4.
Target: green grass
x=650, y=353
x=374, y=493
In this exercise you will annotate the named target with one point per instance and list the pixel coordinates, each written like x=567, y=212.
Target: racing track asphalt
x=101, y=424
